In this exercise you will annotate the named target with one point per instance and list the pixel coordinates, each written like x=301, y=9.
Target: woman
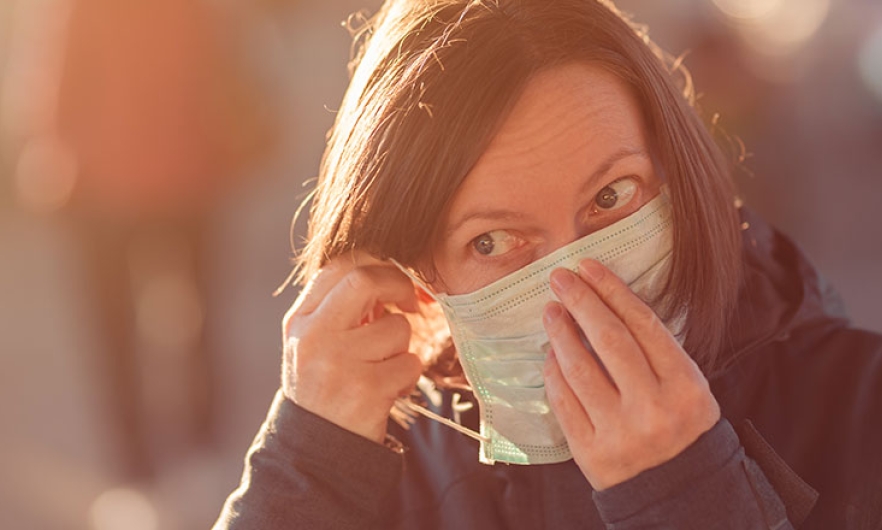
x=647, y=354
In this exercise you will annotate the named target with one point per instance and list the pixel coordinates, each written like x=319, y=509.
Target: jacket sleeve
x=305, y=472
x=712, y=484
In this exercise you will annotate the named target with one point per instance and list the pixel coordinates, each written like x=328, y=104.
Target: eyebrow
x=609, y=162
x=508, y=215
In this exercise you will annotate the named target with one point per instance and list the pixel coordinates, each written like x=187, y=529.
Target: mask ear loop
x=409, y=407
x=416, y=280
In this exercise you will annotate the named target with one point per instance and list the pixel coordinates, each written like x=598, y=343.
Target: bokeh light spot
x=747, y=9
x=123, y=509
x=45, y=175
x=870, y=63
x=775, y=28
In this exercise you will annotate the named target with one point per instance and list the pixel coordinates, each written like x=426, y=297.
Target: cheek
x=454, y=274
x=444, y=270
x=450, y=277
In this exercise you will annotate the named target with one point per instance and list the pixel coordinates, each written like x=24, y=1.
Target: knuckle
x=298, y=306
x=358, y=258
x=693, y=395
x=576, y=293
x=552, y=391
x=608, y=289
x=554, y=328
x=610, y=338
x=336, y=265
x=565, y=407
x=303, y=343
x=309, y=345
x=359, y=279
x=643, y=315
x=388, y=336
x=558, y=401
x=681, y=378
x=580, y=371
x=558, y=327
x=549, y=373
x=293, y=322
x=400, y=327
x=288, y=323
x=317, y=371
x=404, y=374
x=690, y=408
x=317, y=288
x=413, y=367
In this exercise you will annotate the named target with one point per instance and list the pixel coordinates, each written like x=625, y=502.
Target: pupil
x=607, y=198
x=484, y=245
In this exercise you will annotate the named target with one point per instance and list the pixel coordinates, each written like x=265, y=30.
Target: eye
x=495, y=243
x=616, y=194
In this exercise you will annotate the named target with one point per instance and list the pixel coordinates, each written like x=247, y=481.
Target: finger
x=360, y=396
x=357, y=293
x=663, y=352
x=575, y=422
x=327, y=277
x=381, y=339
x=398, y=375
x=610, y=339
x=580, y=370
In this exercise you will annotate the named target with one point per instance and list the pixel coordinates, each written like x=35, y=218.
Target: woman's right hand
x=346, y=359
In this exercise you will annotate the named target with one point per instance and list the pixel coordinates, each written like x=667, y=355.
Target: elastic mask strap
x=411, y=406
x=408, y=406
x=420, y=283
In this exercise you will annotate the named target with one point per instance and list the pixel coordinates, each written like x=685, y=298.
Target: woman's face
x=571, y=158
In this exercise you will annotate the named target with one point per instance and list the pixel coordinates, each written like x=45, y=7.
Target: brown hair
x=434, y=79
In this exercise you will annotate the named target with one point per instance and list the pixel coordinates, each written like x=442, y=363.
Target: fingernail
x=591, y=270
x=552, y=313
x=561, y=279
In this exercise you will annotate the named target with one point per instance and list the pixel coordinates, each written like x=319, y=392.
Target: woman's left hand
x=649, y=404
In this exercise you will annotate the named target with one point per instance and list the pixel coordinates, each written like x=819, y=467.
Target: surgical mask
x=502, y=344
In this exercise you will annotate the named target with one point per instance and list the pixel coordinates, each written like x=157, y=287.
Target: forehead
x=567, y=120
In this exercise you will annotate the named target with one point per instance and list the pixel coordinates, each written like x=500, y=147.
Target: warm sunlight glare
x=870, y=63
x=123, y=509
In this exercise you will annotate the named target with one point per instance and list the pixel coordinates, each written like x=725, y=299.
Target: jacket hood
x=780, y=291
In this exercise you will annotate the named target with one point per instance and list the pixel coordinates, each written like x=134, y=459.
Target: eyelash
x=596, y=210
x=593, y=211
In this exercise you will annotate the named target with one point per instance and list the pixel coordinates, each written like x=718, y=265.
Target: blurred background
x=151, y=157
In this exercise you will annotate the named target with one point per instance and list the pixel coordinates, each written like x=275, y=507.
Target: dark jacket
x=802, y=389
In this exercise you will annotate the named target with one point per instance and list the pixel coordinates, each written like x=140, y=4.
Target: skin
x=576, y=131
x=534, y=187
x=346, y=359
